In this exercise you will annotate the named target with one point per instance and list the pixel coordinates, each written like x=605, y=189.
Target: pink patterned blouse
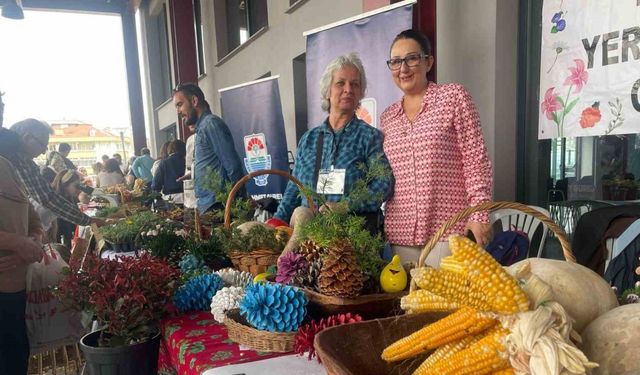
x=440, y=164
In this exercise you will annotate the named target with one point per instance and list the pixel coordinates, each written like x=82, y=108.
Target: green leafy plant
x=256, y=237
x=209, y=251
x=338, y=221
x=241, y=208
x=129, y=228
x=165, y=241
x=104, y=212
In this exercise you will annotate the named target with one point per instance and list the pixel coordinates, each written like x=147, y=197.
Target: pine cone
x=307, y=333
x=289, y=265
x=310, y=250
x=308, y=277
x=340, y=275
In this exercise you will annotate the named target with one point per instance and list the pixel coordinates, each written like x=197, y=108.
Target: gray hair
x=338, y=63
x=34, y=127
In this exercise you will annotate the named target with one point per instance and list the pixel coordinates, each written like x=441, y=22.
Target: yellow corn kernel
x=422, y=300
x=489, y=275
x=446, y=351
x=452, y=286
x=481, y=358
x=464, y=322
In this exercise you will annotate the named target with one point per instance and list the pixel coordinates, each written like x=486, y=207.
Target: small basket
x=242, y=333
x=259, y=260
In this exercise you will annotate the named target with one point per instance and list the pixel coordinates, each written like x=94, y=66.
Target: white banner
x=590, y=68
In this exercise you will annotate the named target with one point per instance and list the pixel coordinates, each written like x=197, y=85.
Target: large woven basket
x=489, y=206
x=256, y=261
x=354, y=349
x=242, y=333
x=369, y=306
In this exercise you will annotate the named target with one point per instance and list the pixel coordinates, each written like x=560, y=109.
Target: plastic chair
x=510, y=218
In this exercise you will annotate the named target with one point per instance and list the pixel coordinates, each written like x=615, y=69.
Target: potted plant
x=127, y=296
x=122, y=235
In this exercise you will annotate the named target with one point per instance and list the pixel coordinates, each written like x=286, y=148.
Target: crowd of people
x=430, y=140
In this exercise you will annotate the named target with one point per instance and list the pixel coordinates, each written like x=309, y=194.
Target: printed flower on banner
x=590, y=116
x=578, y=76
x=560, y=24
x=558, y=47
x=558, y=21
x=550, y=103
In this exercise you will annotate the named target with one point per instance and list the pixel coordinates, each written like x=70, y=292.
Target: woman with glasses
x=434, y=143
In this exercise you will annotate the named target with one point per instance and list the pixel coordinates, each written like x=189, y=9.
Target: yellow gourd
x=393, y=277
x=261, y=277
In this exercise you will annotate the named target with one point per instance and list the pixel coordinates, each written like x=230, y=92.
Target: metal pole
x=124, y=151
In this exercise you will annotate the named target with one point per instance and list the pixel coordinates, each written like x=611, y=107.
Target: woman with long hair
x=68, y=185
x=111, y=175
x=170, y=169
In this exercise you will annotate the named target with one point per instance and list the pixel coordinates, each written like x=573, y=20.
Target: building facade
x=89, y=143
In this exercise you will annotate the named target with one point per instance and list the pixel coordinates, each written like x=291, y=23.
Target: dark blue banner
x=254, y=115
x=370, y=38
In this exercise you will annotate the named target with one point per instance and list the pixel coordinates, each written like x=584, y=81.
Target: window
x=237, y=21
x=300, y=94
x=197, y=17
x=569, y=169
x=164, y=62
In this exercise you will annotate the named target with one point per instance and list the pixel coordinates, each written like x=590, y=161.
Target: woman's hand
x=481, y=232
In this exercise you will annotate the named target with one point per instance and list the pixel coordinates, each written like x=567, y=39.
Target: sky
x=64, y=66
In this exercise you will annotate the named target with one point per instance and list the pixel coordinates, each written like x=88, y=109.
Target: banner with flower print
x=590, y=68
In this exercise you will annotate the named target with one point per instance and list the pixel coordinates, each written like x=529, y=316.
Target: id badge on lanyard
x=331, y=181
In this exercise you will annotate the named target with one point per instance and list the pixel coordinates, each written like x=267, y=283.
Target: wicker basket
x=242, y=333
x=256, y=261
x=369, y=306
x=355, y=348
x=489, y=206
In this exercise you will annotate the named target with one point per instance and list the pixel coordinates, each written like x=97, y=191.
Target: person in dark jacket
x=169, y=171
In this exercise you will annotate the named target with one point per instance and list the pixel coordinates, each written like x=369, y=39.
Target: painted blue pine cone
x=196, y=294
x=274, y=307
x=191, y=264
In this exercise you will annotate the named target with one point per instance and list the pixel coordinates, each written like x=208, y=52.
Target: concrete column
x=136, y=106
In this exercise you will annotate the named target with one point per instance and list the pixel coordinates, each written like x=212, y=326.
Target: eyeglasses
x=411, y=61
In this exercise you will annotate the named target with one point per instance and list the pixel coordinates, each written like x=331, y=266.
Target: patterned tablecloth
x=194, y=343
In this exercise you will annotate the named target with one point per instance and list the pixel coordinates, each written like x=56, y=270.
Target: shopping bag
x=49, y=323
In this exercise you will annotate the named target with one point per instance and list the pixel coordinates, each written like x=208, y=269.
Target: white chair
x=511, y=218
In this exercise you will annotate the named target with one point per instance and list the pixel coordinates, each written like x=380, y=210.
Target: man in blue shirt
x=214, y=143
x=141, y=167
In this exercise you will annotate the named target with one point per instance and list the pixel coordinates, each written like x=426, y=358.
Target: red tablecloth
x=194, y=343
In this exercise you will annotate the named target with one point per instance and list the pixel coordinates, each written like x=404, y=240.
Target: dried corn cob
x=446, y=351
x=464, y=322
x=422, y=300
x=486, y=273
x=454, y=287
x=484, y=357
